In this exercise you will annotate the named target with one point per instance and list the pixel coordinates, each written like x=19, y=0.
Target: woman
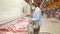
x=36, y=20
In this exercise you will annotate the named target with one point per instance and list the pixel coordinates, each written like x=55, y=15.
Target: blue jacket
x=37, y=16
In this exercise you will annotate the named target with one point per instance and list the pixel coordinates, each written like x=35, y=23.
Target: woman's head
x=33, y=6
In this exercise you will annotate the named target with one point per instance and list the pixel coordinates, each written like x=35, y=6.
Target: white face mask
x=33, y=8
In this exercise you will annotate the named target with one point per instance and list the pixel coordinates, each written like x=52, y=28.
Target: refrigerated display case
x=20, y=26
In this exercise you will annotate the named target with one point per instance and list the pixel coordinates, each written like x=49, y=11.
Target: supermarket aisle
x=50, y=25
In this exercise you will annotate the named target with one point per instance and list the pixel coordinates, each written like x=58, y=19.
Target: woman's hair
x=34, y=4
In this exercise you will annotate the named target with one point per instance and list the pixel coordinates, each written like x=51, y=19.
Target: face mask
x=33, y=8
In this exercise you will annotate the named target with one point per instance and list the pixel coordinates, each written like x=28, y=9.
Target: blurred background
x=11, y=10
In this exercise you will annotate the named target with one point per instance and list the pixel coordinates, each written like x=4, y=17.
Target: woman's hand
x=28, y=20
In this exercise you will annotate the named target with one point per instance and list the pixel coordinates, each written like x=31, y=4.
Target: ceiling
x=35, y=1
x=40, y=1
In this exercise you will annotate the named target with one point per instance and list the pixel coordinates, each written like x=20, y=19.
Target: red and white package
x=12, y=27
x=2, y=32
x=23, y=24
x=19, y=21
x=9, y=33
x=4, y=29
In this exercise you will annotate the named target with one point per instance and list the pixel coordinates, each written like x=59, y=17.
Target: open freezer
x=20, y=26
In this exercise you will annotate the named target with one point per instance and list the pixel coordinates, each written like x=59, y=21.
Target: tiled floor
x=50, y=25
